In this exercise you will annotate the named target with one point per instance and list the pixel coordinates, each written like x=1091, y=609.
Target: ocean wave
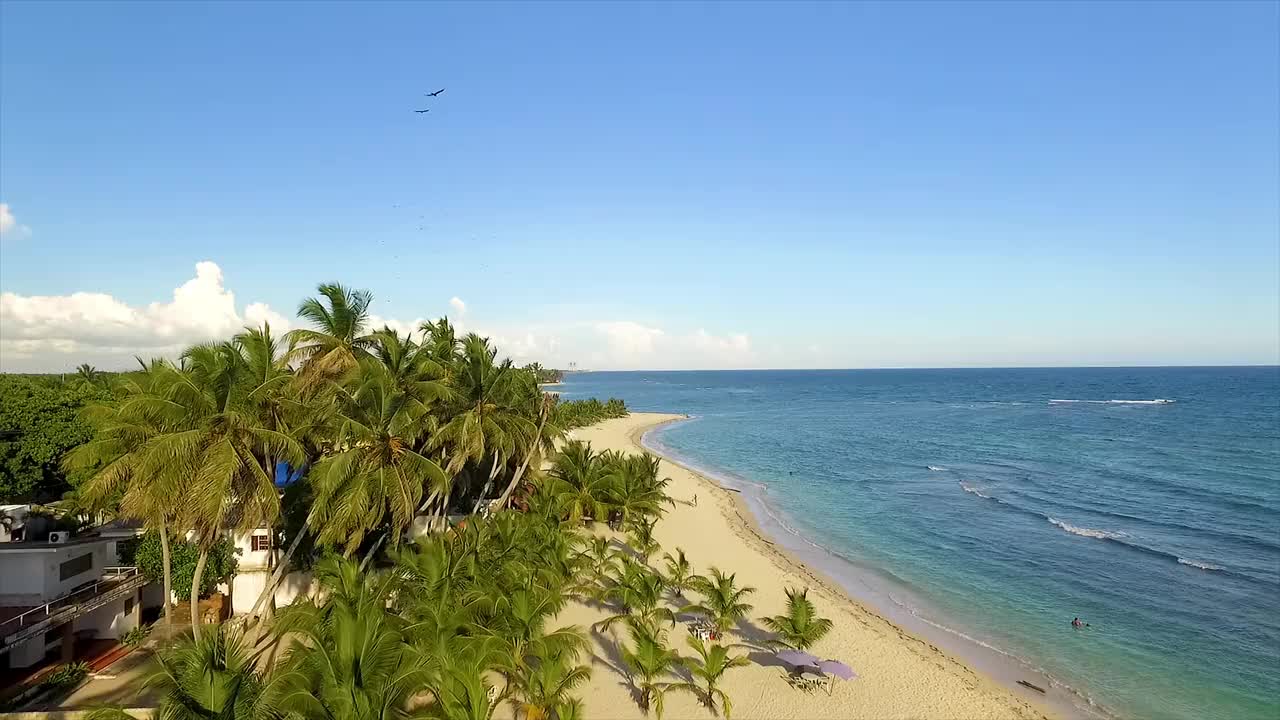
x=936, y=468
x=1088, y=532
x=1157, y=401
x=975, y=491
x=1201, y=565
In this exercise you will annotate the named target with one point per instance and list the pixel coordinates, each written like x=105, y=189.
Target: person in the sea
x=1077, y=624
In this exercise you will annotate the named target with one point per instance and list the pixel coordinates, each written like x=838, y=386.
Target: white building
x=56, y=588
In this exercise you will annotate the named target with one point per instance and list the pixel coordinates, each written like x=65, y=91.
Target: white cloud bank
x=43, y=333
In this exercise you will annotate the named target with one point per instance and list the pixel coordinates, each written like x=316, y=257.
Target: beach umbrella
x=798, y=658
x=837, y=669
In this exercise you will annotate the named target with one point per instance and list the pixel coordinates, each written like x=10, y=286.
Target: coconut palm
x=723, y=602
x=638, y=591
x=635, y=492
x=546, y=681
x=678, y=573
x=640, y=536
x=337, y=340
x=708, y=668
x=123, y=429
x=373, y=474
x=649, y=660
x=212, y=677
x=211, y=448
x=800, y=627
x=350, y=659
x=579, y=482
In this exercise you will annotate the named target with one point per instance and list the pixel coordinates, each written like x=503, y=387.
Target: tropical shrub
x=800, y=627
x=220, y=567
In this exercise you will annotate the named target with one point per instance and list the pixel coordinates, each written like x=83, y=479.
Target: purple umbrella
x=798, y=658
x=837, y=668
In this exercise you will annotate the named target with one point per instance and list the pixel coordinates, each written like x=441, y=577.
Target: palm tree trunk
x=515, y=479
x=488, y=485
x=195, y=593
x=166, y=566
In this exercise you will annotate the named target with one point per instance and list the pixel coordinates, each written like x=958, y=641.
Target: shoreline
x=902, y=673
x=1002, y=668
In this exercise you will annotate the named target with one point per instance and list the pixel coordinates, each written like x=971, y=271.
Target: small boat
x=1037, y=688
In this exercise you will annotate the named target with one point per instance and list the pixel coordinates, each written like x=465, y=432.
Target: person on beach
x=695, y=501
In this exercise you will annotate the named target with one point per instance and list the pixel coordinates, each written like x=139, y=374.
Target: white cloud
x=407, y=328
x=56, y=332
x=458, y=306
x=9, y=224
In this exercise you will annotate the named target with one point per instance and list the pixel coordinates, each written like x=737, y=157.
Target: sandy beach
x=899, y=674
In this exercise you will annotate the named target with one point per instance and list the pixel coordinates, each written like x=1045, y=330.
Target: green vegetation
x=580, y=413
x=220, y=565
x=39, y=421
x=136, y=637
x=800, y=627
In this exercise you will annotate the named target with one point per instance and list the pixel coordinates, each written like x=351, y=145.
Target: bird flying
x=436, y=93
x=422, y=111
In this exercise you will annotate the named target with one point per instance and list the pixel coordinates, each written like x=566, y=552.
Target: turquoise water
x=1004, y=514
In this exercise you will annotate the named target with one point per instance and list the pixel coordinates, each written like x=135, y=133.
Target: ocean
x=995, y=505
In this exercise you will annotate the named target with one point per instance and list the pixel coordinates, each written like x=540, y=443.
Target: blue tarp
x=284, y=477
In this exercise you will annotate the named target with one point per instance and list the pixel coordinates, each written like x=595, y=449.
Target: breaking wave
x=1157, y=401
x=1088, y=532
x=1201, y=565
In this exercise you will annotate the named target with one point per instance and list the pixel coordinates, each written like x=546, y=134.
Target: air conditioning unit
x=59, y=537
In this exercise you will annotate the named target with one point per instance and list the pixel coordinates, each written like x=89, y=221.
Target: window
x=128, y=606
x=75, y=566
x=261, y=543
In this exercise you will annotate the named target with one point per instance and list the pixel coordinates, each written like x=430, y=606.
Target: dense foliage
x=220, y=566
x=580, y=413
x=39, y=422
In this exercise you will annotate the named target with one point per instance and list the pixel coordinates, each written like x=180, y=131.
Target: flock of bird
x=434, y=94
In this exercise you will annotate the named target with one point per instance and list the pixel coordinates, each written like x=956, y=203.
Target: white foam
x=1157, y=401
x=974, y=490
x=935, y=468
x=1087, y=532
x=1201, y=565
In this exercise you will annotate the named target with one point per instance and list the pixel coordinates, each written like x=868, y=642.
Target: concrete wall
x=31, y=575
x=246, y=587
x=21, y=579
x=248, y=559
x=111, y=620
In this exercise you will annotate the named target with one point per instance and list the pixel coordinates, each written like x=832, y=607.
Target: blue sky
x=651, y=186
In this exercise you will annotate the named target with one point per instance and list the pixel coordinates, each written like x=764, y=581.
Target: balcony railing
x=112, y=578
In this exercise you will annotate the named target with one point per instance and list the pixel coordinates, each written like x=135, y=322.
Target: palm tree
x=546, y=682
x=338, y=340
x=485, y=425
x=373, y=471
x=648, y=659
x=598, y=561
x=351, y=660
x=123, y=430
x=800, y=627
x=90, y=375
x=723, y=602
x=210, y=677
x=580, y=482
x=679, y=575
x=635, y=492
x=217, y=444
x=638, y=590
x=641, y=537
x=708, y=668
